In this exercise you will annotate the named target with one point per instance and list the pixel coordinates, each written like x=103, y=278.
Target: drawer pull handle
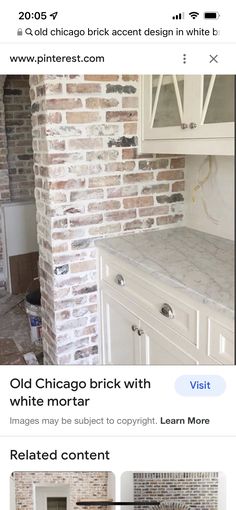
x=140, y=332
x=184, y=126
x=167, y=311
x=134, y=328
x=119, y=279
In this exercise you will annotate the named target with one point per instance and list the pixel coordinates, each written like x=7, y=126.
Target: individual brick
x=120, y=215
x=124, y=166
x=154, y=211
x=170, y=175
x=130, y=102
x=85, y=143
x=165, y=220
x=177, y=163
x=106, y=205
x=137, y=177
x=111, y=180
x=97, y=102
x=82, y=117
x=169, y=199
x=155, y=188
x=87, y=265
x=154, y=164
x=130, y=128
x=122, y=191
x=83, y=88
x=86, y=220
x=178, y=186
x=105, y=230
x=63, y=104
x=123, y=141
x=130, y=77
x=120, y=89
x=101, y=77
x=137, y=202
x=122, y=116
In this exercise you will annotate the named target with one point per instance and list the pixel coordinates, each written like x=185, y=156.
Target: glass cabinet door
x=188, y=106
x=165, y=114
x=167, y=100
x=217, y=105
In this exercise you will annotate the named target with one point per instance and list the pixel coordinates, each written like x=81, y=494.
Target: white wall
x=19, y=232
x=111, y=486
x=222, y=492
x=127, y=487
x=213, y=209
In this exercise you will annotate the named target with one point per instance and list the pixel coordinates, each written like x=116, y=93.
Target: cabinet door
x=163, y=105
x=220, y=342
x=188, y=107
x=156, y=349
x=120, y=344
x=211, y=114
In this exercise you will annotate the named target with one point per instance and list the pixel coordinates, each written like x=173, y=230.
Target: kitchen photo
x=117, y=220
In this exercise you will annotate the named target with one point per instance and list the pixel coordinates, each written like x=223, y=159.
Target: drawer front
x=220, y=342
x=158, y=302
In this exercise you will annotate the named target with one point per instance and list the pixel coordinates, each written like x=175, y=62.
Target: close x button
x=214, y=59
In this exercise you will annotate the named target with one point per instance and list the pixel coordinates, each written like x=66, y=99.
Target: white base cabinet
x=135, y=331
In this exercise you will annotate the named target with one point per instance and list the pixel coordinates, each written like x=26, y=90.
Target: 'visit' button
x=203, y=386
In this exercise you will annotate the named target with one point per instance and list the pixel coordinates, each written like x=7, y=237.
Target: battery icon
x=211, y=15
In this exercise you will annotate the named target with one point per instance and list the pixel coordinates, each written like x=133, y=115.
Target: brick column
x=90, y=183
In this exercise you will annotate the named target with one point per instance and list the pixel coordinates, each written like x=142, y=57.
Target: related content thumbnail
x=116, y=219
x=175, y=491
x=62, y=490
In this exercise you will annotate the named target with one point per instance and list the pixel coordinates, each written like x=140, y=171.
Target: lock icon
x=19, y=31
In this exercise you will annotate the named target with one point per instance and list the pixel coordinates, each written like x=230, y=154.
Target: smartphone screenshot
x=117, y=193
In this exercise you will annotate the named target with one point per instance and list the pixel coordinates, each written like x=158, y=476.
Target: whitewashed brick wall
x=90, y=182
x=81, y=485
x=198, y=491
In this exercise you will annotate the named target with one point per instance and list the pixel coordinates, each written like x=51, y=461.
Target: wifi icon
x=194, y=14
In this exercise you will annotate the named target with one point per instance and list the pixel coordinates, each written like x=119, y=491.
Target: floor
x=16, y=347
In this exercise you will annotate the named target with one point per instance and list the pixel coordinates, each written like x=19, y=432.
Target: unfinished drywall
x=209, y=194
x=90, y=182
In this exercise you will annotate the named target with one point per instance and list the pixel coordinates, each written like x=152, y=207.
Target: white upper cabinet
x=187, y=114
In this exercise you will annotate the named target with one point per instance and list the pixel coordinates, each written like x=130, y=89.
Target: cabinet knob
x=119, y=279
x=134, y=328
x=140, y=332
x=192, y=125
x=184, y=126
x=167, y=311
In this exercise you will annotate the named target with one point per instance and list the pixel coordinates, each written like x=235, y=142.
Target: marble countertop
x=198, y=264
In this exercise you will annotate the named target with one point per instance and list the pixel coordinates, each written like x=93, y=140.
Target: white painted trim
x=208, y=97
x=209, y=146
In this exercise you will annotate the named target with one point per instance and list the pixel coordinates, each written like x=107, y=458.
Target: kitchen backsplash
x=209, y=194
